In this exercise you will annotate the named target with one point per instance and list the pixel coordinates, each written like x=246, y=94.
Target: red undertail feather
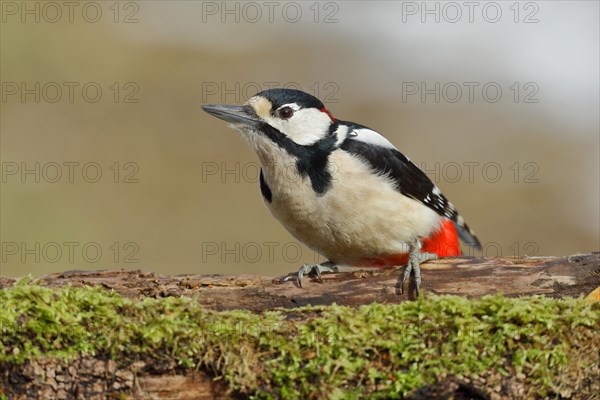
x=444, y=243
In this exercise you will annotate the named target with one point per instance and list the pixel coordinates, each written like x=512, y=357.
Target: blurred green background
x=178, y=189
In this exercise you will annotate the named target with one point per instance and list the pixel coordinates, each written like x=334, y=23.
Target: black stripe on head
x=311, y=160
x=279, y=97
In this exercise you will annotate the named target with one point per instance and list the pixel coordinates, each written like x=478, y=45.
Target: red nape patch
x=444, y=243
x=328, y=113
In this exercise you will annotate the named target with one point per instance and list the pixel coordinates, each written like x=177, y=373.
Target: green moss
x=335, y=352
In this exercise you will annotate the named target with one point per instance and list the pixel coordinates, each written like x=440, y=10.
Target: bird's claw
x=414, y=261
x=308, y=269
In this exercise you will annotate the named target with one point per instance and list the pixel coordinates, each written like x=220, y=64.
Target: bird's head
x=279, y=115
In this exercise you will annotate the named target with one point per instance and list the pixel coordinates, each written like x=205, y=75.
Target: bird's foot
x=415, y=258
x=309, y=269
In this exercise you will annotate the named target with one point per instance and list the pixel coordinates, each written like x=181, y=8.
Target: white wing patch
x=371, y=137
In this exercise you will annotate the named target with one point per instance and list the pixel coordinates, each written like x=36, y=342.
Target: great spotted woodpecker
x=343, y=189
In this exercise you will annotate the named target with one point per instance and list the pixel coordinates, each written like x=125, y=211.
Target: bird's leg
x=310, y=269
x=415, y=258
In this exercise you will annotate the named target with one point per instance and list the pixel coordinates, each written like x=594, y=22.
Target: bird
x=343, y=189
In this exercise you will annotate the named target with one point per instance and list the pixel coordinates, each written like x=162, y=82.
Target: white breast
x=360, y=216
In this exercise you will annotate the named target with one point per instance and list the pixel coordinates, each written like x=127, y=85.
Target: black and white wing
x=408, y=178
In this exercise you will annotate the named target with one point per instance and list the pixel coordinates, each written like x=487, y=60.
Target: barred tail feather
x=466, y=234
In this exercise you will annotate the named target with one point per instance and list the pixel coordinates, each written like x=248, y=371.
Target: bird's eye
x=285, y=113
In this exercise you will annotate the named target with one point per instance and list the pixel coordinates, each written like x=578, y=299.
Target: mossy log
x=150, y=378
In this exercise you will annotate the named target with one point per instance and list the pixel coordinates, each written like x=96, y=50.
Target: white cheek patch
x=307, y=126
x=371, y=137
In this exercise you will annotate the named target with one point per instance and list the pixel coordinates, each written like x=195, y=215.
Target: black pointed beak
x=233, y=114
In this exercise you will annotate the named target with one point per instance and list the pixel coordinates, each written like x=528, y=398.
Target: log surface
x=472, y=277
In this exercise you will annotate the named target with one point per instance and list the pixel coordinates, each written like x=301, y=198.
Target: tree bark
x=472, y=277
